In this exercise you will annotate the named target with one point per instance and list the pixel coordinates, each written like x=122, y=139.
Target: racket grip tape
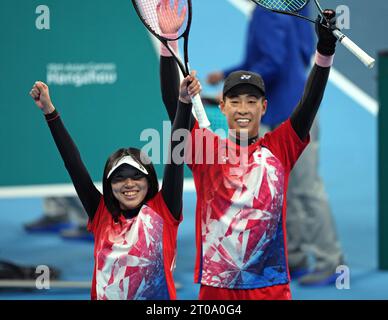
x=200, y=112
x=366, y=59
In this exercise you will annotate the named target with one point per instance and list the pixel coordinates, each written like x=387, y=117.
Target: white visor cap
x=130, y=161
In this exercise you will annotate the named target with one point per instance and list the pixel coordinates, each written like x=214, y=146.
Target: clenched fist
x=41, y=96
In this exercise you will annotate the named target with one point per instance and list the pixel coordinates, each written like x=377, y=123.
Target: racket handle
x=200, y=113
x=355, y=49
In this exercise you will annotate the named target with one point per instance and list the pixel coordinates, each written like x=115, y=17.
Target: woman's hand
x=41, y=96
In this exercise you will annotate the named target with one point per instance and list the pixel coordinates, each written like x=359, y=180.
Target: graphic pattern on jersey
x=130, y=260
x=242, y=235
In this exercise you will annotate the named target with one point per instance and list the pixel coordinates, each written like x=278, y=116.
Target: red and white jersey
x=241, y=207
x=134, y=257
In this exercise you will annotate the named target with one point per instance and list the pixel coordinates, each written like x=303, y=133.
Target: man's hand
x=215, y=77
x=169, y=19
x=190, y=87
x=41, y=96
x=326, y=40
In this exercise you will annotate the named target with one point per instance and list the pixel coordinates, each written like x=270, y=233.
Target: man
x=241, y=207
x=281, y=55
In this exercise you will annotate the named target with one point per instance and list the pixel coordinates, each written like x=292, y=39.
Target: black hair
x=244, y=88
x=111, y=202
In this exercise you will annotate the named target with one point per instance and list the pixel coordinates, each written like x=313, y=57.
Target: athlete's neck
x=131, y=213
x=237, y=140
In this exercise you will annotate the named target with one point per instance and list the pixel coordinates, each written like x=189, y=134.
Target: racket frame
x=165, y=41
x=367, y=60
x=200, y=113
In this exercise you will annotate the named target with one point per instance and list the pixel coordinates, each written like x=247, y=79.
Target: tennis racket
x=147, y=12
x=291, y=7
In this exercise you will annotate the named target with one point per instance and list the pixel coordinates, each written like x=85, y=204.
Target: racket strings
x=283, y=5
x=159, y=23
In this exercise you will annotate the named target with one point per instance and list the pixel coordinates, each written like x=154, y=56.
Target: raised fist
x=41, y=96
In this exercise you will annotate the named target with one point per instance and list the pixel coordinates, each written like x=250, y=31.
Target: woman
x=134, y=224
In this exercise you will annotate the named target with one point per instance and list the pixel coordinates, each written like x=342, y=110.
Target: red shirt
x=134, y=258
x=241, y=211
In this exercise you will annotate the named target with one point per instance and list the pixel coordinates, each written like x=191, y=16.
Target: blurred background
x=103, y=71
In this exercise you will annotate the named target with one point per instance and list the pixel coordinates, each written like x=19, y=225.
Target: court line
x=245, y=7
x=354, y=92
x=61, y=190
x=66, y=189
x=338, y=79
x=52, y=284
